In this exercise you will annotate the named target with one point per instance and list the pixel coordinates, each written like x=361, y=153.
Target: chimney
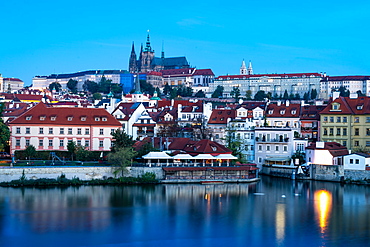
x=336, y=95
x=278, y=103
x=353, y=95
x=287, y=103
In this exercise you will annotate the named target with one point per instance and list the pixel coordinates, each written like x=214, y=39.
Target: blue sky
x=45, y=37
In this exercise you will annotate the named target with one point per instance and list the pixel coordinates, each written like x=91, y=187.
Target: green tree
x=167, y=89
x=145, y=149
x=121, y=159
x=4, y=130
x=343, y=91
x=306, y=96
x=313, y=93
x=30, y=152
x=200, y=94
x=297, y=96
x=97, y=96
x=116, y=88
x=218, y=92
x=233, y=142
x=55, y=86
x=82, y=154
x=158, y=92
x=286, y=95
x=291, y=96
x=121, y=140
x=235, y=93
x=90, y=86
x=248, y=94
x=72, y=85
x=260, y=95
x=71, y=147
x=299, y=155
x=146, y=87
x=104, y=85
x=360, y=94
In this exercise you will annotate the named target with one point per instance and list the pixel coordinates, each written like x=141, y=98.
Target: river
x=272, y=212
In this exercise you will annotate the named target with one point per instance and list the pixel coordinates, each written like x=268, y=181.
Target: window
x=28, y=118
x=344, y=119
x=331, y=131
x=357, y=119
x=87, y=143
x=252, y=147
x=335, y=107
x=53, y=118
x=268, y=148
x=101, y=144
x=357, y=161
x=69, y=118
x=78, y=142
x=101, y=131
x=69, y=131
x=79, y=131
x=61, y=131
x=97, y=119
x=286, y=148
x=259, y=160
x=50, y=131
x=259, y=147
x=42, y=118
x=17, y=142
x=27, y=142
x=344, y=143
x=325, y=119
x=325, y=132
x=338, y=131
x=41, y=130
x=367, y=143
x=50, y=143
x=351, y=161
x=276, y=148
x=83, y=118
x=18, y=130
x=344, y=131
x=338, y=119
x=28, y=130
x=331, y=119
x=368, y=131
x=357, y=131
x=104, y=119
x=367, y=119
x=61, y=143
x=87, y=131
x=41, y=142
x=357, y=143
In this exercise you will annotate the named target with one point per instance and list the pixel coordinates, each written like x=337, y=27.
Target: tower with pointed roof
x=250, y=69
x=243, y=69
x=147, y=57
x=132, y=61
x=137, y=95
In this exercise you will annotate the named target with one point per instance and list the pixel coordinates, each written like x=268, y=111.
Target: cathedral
x=148, y=62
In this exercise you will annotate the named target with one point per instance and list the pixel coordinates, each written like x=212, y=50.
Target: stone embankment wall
x=356, y=175
x=83, y=173
x=332, y=173
x=283, y=172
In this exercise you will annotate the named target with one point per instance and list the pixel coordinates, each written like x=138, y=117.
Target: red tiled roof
x=220, y=116
x=63, y=113
x=12, y=79
x=334, y=148
x=356, y=106
x=291, y=111
x=177, y=72
x=291, y=75
x=346, y=78
x=311, y=112
x=203, y=72
x=206, y=146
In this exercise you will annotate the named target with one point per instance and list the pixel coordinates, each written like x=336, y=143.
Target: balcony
x=263, y=140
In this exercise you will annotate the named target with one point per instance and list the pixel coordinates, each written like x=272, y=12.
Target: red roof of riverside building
x=347, y=105
x=42, y=114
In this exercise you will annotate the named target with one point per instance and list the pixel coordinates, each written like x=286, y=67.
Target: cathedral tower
x=132, y=64
x=146, y=57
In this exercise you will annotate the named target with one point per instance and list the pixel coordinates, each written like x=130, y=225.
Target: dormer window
x=97, y=119
x=70, y=118
x=335, y=107
x=83, y=118
x=214, y=148
x=104, y=119
x=359, y=107
x=28, y=118
x=42, y=118
x=53, y=118
x=294, y=112
x=271, y=111
x=282, y=112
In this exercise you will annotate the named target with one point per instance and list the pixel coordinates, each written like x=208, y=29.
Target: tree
x=30, y=152
x=72, y=85
x=121, y=140
x=55, y=86
x=104, y=85
x=306, y=96
x=343, y=91
x=297, y=96
x=286, y=95
x=260, y=95
x=291, y=96
x=121, y=159
x=360, y=94
x=116, y=88
x=248, y=94
x=91, y=86
x=201, y=130
x=167, y=89
x=218, y=92
x=71, y=147
x=4, y=130
x=97, y=96
x=235, y=93
x=233, y=142
x=299, y=155
x=146, y=87
x=145, y=149
x=200, y=94
x=313, y=93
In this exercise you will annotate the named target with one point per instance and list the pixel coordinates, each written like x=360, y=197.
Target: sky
x=45, y=37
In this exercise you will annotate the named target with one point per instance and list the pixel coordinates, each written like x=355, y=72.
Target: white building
x=351, y=83
x=325, y=153
x=297, y=83
x=11, y=85
x=51, y=128
x=356, y=161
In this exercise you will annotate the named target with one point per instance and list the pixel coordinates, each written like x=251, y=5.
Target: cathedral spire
x=250, y=69
x=243, y=69
x=132, y=62
x=148, y=48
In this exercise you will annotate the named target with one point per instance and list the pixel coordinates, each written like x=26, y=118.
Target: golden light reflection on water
x=280, y=222
x=323, y=205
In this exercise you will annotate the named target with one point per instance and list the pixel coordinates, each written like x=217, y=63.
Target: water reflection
x=310, y=214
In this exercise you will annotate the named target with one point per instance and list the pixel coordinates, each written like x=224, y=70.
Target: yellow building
x=346, y=120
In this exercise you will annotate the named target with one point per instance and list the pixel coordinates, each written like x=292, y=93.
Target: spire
x=243, y=69
x=132, y=62
x=250, y=69
x=148, y=47
x=162, y=55
x=137, y=84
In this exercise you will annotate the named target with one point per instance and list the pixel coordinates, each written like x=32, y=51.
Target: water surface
x=272, y=212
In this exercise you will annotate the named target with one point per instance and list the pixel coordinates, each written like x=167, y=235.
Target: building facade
x=353, y=84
